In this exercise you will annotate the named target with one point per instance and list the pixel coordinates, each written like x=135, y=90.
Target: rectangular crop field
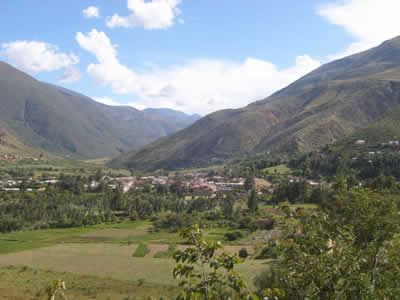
x=110, y=261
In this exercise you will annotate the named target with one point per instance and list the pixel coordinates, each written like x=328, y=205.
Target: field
x=278, y=170
x=100, y=254
x=54, y=167
x=24, y=283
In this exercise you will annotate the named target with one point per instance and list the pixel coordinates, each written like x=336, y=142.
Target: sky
x=196, y=56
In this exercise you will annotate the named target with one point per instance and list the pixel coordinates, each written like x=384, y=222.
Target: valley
x=170, y=149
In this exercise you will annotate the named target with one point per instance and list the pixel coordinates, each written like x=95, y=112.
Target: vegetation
x=302, y=187
x=20, y=282
x=141, y=251
x=346, y=252
x=205, y=275
x=166, y=254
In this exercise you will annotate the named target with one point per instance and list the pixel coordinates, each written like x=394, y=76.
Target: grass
x=125, y=233
x=104, y=251
x=27, y=240
x=112, y=261
x=166, y=254
x=141, y=251
x=54, y=167
x=278, y=170
x=21, y=283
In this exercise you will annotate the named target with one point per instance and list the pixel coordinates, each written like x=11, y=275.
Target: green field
x=54, y=167
x=109, y=261
x=122, y=233
x=105, y=252
x=277, y=170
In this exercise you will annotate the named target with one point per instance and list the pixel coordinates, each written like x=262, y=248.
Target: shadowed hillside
x=61, y=121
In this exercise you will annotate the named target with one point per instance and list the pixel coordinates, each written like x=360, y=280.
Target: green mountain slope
x=322, y=107
x=61, y=121
x=374, y=134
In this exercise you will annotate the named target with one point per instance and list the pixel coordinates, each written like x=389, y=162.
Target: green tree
x=249, y=184
x=252, y=202
x=350, y=256
x=227, y=204
x=205, y=275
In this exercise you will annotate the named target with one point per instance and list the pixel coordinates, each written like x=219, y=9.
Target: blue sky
x=192, y=55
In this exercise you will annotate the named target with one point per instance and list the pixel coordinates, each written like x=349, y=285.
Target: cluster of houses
x=10, y=157
x=13, y=185
x=394, y=143
x=195, y=183
x=199, y=183
x=390, y=143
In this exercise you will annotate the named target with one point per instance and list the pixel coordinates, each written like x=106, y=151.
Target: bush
x=174, y=222
x=269, y=252
x=233, y=236
x=243, y=253
x=268, y=279
x=248, y=223
x=133, y=216
x=265, y=224
x=141, y=251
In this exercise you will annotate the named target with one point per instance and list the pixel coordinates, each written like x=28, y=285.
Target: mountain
x=375, y=133
x=319, y=108
x=174, y=115
x=58, y=120
x=11, y=148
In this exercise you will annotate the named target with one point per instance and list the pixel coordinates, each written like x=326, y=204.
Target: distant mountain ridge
x=58, y=120
x=179, y=116
x=320, y=108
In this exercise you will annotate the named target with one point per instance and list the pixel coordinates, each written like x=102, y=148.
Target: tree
x=227, y=204
x=99, y=175
x=252, y=202
x=205, y=275
x=350, y=256
x=249, y=184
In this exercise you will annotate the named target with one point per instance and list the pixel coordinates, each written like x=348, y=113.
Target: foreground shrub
x=203, y=274
x=348, y=251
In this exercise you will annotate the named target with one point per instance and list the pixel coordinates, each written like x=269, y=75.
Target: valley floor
x=97, y=262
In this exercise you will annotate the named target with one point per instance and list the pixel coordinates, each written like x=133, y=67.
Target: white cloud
x=136, y=105
x=200, y=86
x=91, y=12
x=70, y=75
x=156, y=14
x=370, y=21
x=36, y=57
x=111, y=102
x=107, y=101
x=108, y=71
